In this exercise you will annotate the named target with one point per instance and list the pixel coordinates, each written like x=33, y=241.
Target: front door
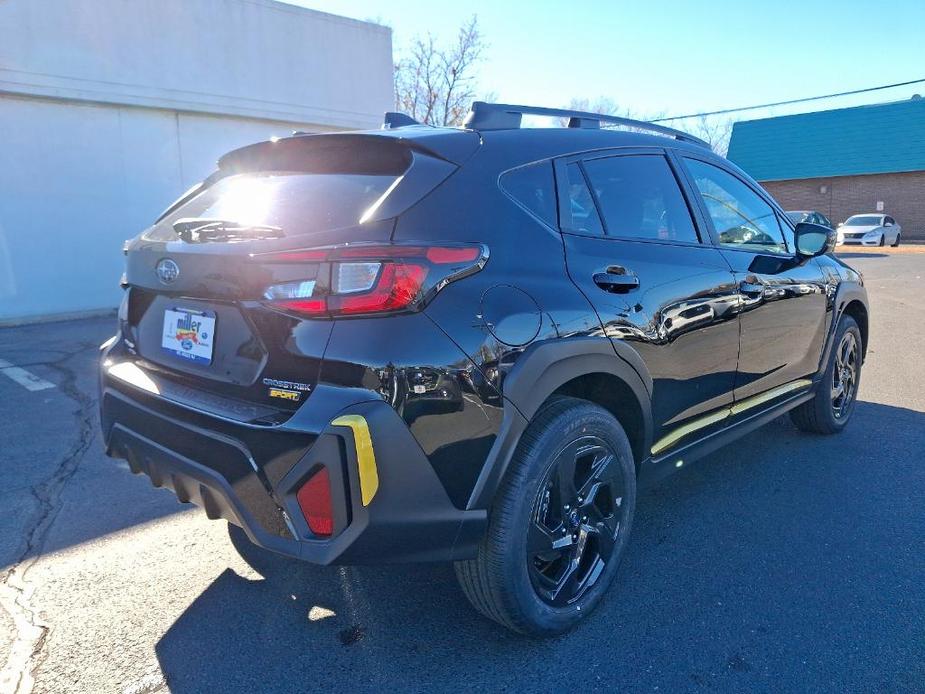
x=782, y=298
x=633, y=247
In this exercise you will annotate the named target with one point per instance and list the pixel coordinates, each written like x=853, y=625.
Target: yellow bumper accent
x=366, y=457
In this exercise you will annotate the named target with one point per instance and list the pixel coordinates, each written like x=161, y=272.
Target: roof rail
x=485, y=116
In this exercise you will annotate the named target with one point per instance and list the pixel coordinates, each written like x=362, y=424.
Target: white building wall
x=110, y=109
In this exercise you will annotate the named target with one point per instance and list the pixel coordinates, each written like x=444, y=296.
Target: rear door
x=783, y=300
x=633, y=247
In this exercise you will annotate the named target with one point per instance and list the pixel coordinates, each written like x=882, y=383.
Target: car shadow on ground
x=779, y=562
x=860, y=255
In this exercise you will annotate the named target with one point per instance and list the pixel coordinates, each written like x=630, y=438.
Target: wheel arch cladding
x=585, y=367
x=617, y=397
x=857, y=310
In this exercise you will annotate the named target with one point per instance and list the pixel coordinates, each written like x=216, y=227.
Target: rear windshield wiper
x=204, y=230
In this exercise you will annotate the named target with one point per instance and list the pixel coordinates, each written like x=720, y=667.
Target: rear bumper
x=249, y=475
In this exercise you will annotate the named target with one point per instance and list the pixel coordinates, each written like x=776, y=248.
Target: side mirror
x=813, y=239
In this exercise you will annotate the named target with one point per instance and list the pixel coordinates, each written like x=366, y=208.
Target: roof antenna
x=393, y=120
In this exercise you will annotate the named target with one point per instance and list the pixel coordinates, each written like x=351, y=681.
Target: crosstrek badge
x=286, y=385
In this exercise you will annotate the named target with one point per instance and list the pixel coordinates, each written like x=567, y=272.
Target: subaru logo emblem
x=167, y=271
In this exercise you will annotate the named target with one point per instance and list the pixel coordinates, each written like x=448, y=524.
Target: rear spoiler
x=376, y=148
x=420, y=169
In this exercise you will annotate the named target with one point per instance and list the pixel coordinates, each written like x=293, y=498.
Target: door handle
x=616, y=280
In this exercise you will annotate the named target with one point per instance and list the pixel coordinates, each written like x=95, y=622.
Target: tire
x=898, y=239
x=510, y=581
x=268, y=564
x=821, y=415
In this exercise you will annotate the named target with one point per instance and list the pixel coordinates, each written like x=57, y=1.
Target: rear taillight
x=314, y=499
x=364, y=279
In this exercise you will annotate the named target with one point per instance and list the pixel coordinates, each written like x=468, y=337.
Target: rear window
x=298, y=203
x=302, y=185
x=533, y=187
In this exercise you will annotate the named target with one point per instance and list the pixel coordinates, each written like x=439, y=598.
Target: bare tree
x=602, y=104
x=715, y=131
x=436, y=85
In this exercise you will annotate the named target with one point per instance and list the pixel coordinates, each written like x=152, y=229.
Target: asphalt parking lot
x=785, y=562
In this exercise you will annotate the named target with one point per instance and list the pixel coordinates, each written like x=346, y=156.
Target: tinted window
x=640, y=198
x=299, y=203
x=532, y=186
x=302, y=184
x=582, y=214
x=889, y=220
x=742, y=219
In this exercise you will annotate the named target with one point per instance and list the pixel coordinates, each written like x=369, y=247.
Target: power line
x=785, y=103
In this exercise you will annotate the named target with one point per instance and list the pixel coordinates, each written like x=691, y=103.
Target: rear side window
x=533, y=187
x=581, y=215
x=639, y=198
x=741, y=217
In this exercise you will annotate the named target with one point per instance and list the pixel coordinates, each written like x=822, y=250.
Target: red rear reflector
x=314, y=499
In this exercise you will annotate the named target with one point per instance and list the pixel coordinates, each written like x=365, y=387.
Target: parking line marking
x=26, y=379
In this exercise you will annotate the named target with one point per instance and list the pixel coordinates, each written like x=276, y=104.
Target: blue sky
x=675, y=57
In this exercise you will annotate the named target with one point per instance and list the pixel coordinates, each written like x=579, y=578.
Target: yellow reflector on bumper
x=366, y=458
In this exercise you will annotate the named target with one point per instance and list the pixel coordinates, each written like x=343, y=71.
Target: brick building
x=842, y=162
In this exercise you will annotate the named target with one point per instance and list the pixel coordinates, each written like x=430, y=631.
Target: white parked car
x=869, y=230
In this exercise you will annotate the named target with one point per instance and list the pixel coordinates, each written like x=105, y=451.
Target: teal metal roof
x=882, y=138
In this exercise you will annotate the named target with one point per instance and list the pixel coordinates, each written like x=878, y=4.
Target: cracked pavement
x=784, y=562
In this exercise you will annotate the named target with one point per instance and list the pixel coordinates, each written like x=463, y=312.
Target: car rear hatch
x=198, y=280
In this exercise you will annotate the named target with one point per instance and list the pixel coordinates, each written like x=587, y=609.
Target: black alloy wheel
x=845, y=374
x=559, y=524
x=836, y=393
x=575, y=521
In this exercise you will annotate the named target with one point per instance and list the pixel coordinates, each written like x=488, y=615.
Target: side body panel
x=681, y=320
x=783, y=320
x=782, y=298
x=678, y=312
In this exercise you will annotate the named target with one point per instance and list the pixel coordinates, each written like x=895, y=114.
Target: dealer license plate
x=189, y=334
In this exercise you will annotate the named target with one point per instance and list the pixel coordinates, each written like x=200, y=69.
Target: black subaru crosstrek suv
x=470, y=345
